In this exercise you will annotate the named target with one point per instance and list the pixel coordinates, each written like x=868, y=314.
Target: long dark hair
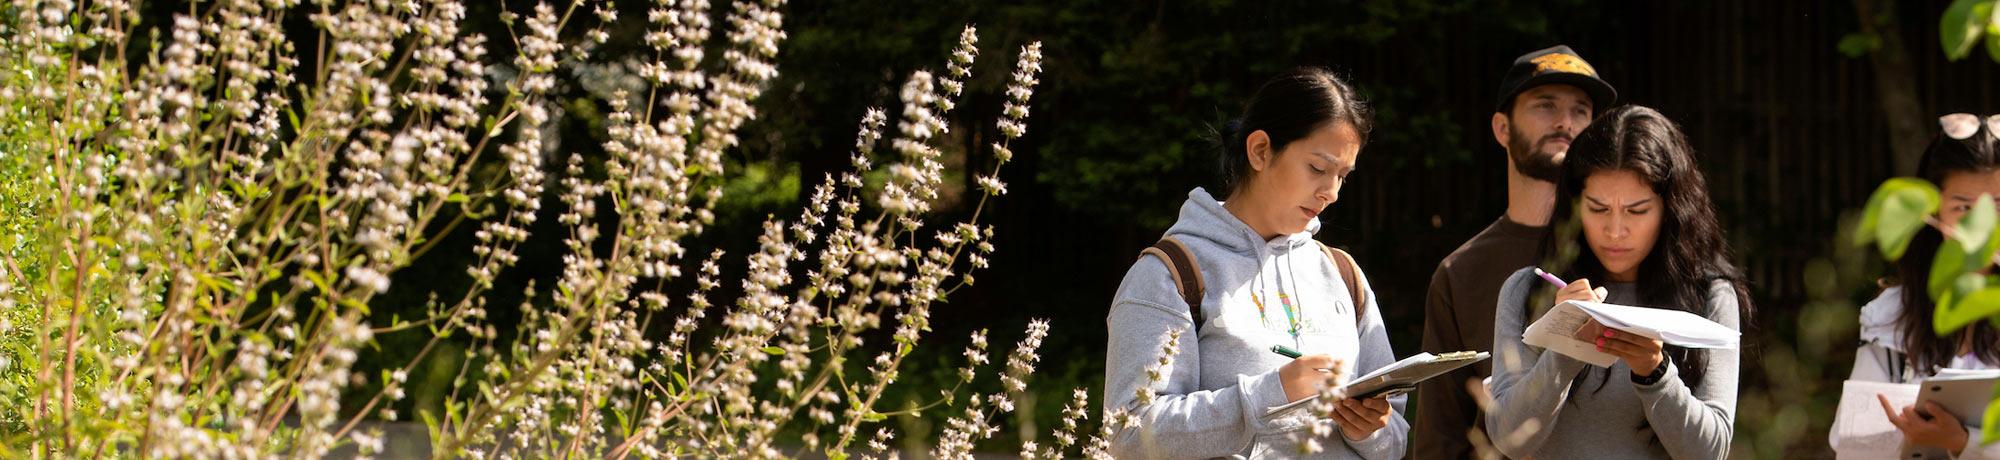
x=1690, y=253
x=1924, y=349
x=1288, y=108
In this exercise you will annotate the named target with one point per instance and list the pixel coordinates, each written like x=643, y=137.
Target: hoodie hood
x=1202, y=216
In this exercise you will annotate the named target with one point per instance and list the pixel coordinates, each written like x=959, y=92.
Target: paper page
x=1419, y=358
x=1965, y=374
x=1302, y=402
x=1417, y=364
x=1556, y=332
x=1406, y=377
x=1671, y=326
x=1860, y=430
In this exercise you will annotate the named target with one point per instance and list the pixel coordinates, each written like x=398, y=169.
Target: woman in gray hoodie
x=1266, y=282
x=1645, y=232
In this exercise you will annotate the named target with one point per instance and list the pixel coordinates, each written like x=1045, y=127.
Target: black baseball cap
x=1555, y=64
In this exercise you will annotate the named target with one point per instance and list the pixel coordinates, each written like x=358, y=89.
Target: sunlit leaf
x=1894, y=214
x=1961, y=26
x=1975, y=304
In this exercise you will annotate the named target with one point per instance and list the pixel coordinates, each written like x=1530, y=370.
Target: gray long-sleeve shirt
x=1551, y=406
x=1213, y=399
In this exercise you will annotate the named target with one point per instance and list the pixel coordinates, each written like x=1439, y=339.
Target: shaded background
x=1784, y=101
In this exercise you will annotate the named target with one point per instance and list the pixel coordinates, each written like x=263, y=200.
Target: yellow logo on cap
x=1567, y=63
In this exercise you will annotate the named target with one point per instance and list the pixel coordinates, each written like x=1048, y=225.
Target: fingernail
x=1600, y=343
x=1607, y=333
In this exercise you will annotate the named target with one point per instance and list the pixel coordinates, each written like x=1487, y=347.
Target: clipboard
x=1398, y=378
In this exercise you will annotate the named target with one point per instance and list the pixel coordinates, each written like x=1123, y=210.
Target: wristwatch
x=1656, y=375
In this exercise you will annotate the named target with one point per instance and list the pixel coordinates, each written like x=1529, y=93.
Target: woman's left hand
x=1639, y=352
x=1933, y=427
x=1359, y=418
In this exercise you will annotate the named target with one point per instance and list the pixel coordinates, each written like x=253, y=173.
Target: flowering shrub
x=196, y=228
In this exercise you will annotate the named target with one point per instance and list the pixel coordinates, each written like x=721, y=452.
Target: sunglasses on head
x=1963, y=125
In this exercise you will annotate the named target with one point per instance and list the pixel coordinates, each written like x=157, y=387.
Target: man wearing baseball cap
x=1547, y=97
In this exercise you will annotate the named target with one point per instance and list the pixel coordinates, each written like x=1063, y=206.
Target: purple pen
x=1552, y=279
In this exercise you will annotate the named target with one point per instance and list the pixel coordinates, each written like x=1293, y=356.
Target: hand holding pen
x=1358, y=418
x=1578, y=290
x=1303, y=377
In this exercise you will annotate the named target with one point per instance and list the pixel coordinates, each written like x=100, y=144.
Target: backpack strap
x=1355, y=286
x=1187, y=275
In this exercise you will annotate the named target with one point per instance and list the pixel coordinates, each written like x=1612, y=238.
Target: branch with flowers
x=199, y=235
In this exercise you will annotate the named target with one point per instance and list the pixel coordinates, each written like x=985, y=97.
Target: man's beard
x=1529, y=159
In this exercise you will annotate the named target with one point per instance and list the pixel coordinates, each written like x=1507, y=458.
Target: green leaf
x=1991, y=431
x=1947, y=267
x=1993, y=42
x=1975, y=230
x=1993, y=35
x=1973, y=305
x=1894, y=213
x=874, y=417
x=774, y=351
x=1961, y=26
x=1859, y=44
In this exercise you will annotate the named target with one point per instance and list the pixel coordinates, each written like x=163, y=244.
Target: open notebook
x=1397, y=378
x=1570, y=327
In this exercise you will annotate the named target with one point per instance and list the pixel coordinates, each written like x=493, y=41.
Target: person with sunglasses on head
x=1898, y=342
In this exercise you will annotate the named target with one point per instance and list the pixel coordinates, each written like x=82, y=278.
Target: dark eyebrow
x=1963, y=198
x=1334, y=161
x=1629, y=206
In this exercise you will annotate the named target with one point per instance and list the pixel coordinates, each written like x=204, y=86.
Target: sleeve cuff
x=1668, y=381
x=1261, y=393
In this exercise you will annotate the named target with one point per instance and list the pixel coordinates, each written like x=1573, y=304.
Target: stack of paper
x=1569, y=327
x=1860, y=430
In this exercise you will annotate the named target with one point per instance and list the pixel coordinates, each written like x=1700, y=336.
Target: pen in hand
x=1288, y=352
x=1560, y=284
x=1552, y=279
x=1284, y=351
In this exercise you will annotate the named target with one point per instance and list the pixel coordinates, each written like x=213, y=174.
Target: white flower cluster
x=1156, y=374
x=1073, y=415
x=1325, y=402
x=976, y=424
x=235, y=212
x=1014, y=113
x=322, y=382
x=523, y=191
x=217, y=169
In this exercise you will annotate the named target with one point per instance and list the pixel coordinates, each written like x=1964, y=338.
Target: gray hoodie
x=1212, y=400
